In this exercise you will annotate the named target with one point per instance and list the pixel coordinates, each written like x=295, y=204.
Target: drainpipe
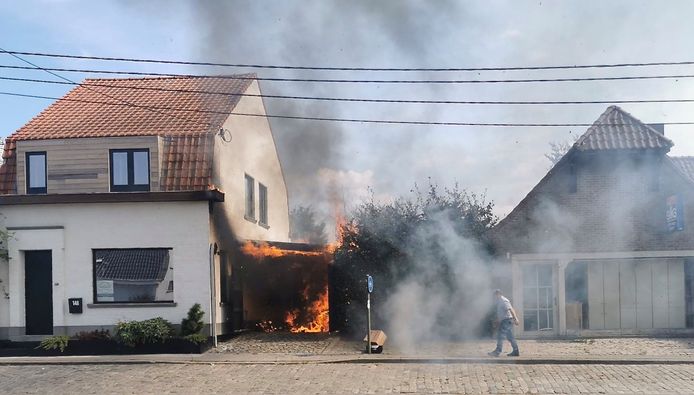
x=213, y=297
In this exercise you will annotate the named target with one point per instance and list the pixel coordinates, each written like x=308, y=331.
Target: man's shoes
x=515, y=353
x=493, y=353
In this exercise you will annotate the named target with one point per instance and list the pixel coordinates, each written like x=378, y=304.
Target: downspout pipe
x=213, y=296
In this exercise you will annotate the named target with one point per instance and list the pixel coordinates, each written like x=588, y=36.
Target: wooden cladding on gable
x=82, y=165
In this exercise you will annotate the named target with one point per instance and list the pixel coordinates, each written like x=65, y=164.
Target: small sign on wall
x=674, y=213
x=104, y=291
x=75, y=305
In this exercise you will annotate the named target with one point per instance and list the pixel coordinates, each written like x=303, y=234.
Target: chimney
x=659, y=127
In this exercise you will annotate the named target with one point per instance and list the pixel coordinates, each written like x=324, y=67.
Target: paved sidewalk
x=278, y=348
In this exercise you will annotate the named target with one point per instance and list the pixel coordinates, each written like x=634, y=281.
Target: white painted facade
x=72, y=231
x=252, y=152
x=197, y=232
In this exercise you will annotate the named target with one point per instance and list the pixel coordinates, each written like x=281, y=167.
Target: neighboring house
x=604, y=243
x=121, y=196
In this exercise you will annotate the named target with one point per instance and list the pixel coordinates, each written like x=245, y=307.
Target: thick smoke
x=322, y=166
x=427, y=306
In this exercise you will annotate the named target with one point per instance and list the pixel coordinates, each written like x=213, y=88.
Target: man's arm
x=515, y=317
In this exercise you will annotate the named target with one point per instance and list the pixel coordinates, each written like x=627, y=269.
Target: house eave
x=214, y=195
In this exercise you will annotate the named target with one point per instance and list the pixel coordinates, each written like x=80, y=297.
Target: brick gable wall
x=614, y=208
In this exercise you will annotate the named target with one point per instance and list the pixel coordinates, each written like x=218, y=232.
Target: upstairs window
x=250, y=198
x=129, y=170
x=36, y=172
x=262, y=202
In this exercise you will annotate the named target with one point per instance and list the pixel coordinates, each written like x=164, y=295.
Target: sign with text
x=674, y=213
x=104, y=291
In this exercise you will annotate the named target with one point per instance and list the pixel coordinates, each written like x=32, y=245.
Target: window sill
x=109, y=305
x=249, y=219
x=266, y=226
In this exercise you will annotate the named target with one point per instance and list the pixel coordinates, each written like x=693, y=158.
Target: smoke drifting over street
x=389, y=159
x=426, y=306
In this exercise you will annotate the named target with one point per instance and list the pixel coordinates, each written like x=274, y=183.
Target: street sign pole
x=368, y=319
x=369, y=288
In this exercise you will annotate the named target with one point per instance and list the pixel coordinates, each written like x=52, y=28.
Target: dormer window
x=36, y=172
x=129, y=170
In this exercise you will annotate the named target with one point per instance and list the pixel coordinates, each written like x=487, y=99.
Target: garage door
x=636, y=294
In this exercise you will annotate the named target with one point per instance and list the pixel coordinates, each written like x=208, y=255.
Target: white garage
x=587, y=295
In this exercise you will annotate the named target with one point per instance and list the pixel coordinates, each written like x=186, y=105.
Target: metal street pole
x=368, y=320
x=369, y=289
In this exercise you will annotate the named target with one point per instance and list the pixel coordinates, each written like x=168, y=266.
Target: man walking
x=505, y=319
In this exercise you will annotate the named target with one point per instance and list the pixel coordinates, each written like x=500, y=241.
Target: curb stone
x=200, y=360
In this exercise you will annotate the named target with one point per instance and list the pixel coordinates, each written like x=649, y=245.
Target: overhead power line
x=358, y=81
x=330, y=119
x=337, y=68
x=349, y=99
x=51, y=72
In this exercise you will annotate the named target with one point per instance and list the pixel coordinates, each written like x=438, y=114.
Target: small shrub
x=196, y=338
x=133, y=333
x=193, y=324
x=54, y=343
x=95, y=335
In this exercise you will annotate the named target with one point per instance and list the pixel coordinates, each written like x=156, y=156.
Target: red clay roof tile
x=616, y=129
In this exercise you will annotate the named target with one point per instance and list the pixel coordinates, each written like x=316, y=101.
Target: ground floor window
x=538, y=297
x=134, y=275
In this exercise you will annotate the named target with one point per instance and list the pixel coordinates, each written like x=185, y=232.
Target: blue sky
x=345, y=159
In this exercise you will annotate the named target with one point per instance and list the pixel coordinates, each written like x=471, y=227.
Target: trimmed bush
x=95, y=335
x=193, y=324
x=133, y=333
x=54, y=343
x=196, y=338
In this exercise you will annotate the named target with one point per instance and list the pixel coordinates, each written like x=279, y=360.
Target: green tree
x=391, y=241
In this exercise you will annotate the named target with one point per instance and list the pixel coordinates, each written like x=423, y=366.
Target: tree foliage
x=303, y=226
x=386, y=239
x=4, y=238
x=559, y=149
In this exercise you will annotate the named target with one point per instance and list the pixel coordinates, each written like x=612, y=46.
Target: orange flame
x=317, y=311
x=264, y=250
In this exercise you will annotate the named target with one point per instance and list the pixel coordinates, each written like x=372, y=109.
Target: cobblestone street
x=347, y=378
x=284, y=363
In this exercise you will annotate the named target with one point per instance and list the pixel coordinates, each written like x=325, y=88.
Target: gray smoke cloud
x=321, y=164
x=331, y=165
x=422, y=307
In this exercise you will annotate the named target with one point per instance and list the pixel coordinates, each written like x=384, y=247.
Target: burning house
x=604, y=243
x=133, y=198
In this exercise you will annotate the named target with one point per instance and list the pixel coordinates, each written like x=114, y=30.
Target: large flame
x=264, y=250
x=313, y=316
x=317, y=312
